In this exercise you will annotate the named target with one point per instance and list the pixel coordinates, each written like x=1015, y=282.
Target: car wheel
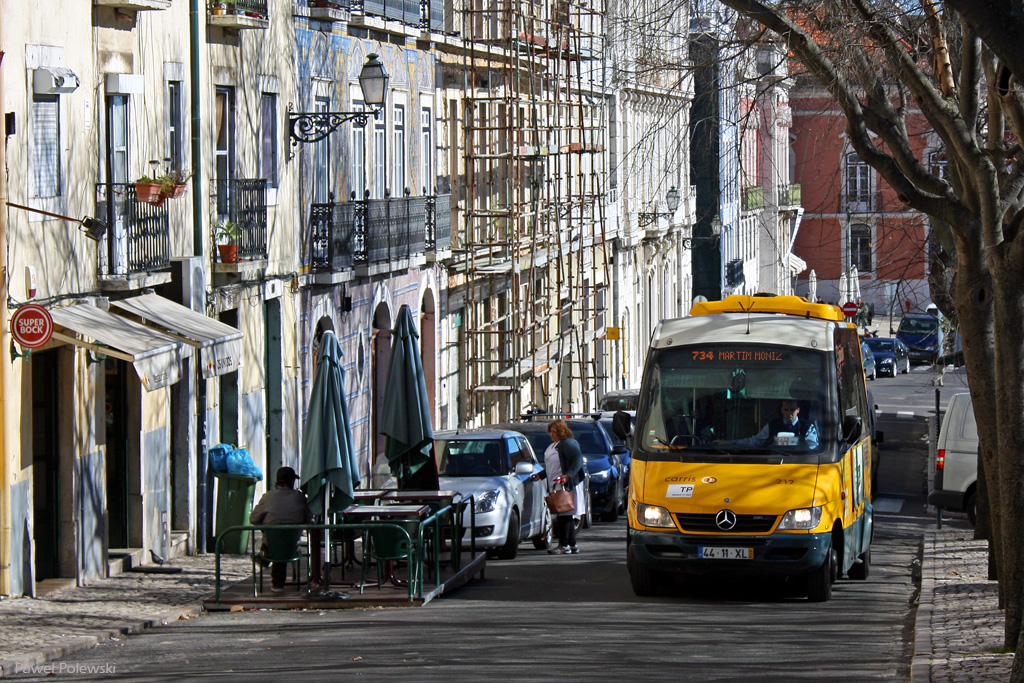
x=645, y=581
x=819, y=583
x=544, y=540
x=971, y=507
x=511, y=547
x=906, y=369
x=862, y=567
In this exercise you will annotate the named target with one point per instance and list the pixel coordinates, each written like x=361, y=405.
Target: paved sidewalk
x=959, y=627
x=36, y=630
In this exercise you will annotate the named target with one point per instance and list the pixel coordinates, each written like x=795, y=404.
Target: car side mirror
x=524, y=468
x=622, y=425
x=853, y=426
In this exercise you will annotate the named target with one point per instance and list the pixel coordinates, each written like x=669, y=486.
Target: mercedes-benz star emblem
x=726, y=520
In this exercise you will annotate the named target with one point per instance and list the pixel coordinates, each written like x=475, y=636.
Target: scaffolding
x=532, y=230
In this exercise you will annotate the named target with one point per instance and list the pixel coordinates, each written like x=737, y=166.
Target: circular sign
x=850, y=309
x=31, y=326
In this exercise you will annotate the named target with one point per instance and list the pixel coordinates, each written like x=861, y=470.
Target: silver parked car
x=494, y=466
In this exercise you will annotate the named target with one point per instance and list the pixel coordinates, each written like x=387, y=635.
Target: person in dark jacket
x=788, y=422
x=563, y=464
x=283, y=505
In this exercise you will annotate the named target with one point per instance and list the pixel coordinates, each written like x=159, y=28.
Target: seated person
x=283, y=505
x=788, y=421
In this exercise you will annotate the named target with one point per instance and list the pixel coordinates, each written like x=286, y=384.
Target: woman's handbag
x=560, y=500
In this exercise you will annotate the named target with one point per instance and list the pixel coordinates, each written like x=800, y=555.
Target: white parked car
x=494, y=466
x=956, y=466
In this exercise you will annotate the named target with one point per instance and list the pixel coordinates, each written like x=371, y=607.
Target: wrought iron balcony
x=439, y=222
x=244, y=202
x=138, y=238
x=395, y=229
x=753, y=198
x=332, y=234
x=239, y=14
x=860, y=202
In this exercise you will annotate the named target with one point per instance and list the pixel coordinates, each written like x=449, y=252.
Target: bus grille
x=745, y=524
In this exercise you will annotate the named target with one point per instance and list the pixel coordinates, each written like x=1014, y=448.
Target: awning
x=220, y=345
x=155, y=356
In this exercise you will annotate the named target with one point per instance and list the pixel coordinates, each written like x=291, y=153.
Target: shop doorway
x=46, y=479
x=117, y=417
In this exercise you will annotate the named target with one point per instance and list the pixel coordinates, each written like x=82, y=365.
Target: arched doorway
x=428, y=351
x=382, y=324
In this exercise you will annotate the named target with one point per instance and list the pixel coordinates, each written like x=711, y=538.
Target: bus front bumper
x=773, y=555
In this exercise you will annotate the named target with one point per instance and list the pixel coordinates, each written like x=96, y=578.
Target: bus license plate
x=711, y=553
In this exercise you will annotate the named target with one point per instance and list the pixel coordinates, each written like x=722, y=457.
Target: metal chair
x=391, y=543
x=281, y=545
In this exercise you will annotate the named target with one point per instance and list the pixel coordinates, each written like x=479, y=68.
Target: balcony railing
x=789, y=195
x=373, y=231
x=332, y=234
x=753, y=198
x=239, y=14
x=439, y=222
x=244, y=202
x=395, y=229
x=862, y=202
x=139, y=235
x=406, y=11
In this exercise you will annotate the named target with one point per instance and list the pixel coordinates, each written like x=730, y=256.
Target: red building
x=853, y=219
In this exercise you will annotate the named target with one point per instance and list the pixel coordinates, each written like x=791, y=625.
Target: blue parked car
x=923, y=336
x=869, y=361
x=618, y=446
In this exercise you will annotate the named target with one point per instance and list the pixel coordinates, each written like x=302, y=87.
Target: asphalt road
x=542, y=617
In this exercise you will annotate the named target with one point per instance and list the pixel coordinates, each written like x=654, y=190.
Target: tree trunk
x=1006, y=264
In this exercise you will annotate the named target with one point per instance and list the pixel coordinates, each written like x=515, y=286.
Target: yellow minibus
x=751, y=448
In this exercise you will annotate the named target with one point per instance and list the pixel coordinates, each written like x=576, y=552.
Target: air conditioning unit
x=54, y=80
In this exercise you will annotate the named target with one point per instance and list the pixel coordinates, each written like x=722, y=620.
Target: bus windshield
x=737, y=398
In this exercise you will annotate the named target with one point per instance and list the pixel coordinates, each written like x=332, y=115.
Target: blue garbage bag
x=219, y=457
x=241, y=463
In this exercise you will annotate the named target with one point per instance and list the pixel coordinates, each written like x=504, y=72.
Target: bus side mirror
x=852, y=428
x=622, y=425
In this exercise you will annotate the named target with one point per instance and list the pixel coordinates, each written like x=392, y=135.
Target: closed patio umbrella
x=812, y=287
x=328, y=469
x=405, y=413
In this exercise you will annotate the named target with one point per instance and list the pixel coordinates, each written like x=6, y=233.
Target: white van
x=956, y=459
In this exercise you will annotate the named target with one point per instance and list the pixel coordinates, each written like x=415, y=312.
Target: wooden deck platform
x=344, y=591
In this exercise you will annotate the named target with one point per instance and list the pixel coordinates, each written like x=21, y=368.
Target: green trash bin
x=234, y=503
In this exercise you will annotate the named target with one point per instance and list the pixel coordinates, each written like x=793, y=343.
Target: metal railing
x=861, y=202
x=243, y=201
x=395, y=228
x=139, y=238
x=753, y=198
x=406, y=11
x=332, y=234
x=439, y=222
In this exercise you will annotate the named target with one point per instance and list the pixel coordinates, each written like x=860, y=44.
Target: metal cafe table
x=441, y=502
x=411, y=519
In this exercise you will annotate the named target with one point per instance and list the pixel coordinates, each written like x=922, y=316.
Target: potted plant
x=219, y=7
x=227, y=232
x=148, y=189
x=172, y=183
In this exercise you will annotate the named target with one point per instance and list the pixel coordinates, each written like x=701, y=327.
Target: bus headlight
x=654, y=515
x=800, y=520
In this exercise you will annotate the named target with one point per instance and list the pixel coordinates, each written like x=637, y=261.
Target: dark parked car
x=619, y=447
x=604, y=464
x=620, y=399
x=923, y=336
x=870, y=371
x=891, y=355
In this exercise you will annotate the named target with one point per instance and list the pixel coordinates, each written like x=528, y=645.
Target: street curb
x=921, y=663
x=19, y=663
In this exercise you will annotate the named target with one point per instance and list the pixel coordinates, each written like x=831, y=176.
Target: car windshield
x=469, y=458
x=620, y=402
x=730, y=397
x=919, y=325
x=880, y=344
x=607, y=425
x=589, y=439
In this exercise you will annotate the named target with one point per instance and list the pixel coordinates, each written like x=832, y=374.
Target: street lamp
x=314, y=126
x=712, y=239
x=644, y=219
